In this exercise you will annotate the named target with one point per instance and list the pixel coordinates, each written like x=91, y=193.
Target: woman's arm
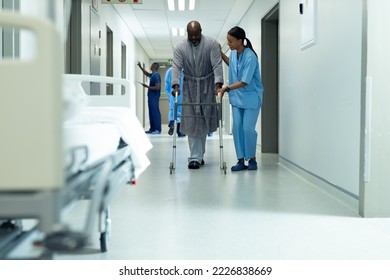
x=225, y=58
x=228, y=88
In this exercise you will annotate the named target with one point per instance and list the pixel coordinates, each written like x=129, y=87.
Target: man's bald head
x=194, y=26
x=194, y=32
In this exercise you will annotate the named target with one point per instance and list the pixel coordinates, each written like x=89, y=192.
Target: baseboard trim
x=349, y=199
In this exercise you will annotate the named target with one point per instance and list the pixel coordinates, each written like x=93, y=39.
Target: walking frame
x=218, y=104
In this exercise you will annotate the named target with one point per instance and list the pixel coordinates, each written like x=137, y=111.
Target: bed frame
x=34, y=182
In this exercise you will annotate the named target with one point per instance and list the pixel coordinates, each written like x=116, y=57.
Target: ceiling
x=151, y=22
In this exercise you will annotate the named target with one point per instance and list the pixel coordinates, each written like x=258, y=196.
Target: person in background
x=172, y=101
x=245, y=95
x=200, y=59
x=154, y=93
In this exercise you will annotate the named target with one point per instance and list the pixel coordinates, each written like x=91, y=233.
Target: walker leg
x=172, y=166
x=222, y=160
x=221, y=157
x=173, y=162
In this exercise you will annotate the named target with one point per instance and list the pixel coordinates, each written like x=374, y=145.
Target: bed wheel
x=65, y=241
x=11, y=225
x=106, y=234
x=103, y=242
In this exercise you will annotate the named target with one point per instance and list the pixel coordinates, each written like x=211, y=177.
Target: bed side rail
x=117, y=99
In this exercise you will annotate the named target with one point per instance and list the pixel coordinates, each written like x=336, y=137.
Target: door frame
x=270, y=78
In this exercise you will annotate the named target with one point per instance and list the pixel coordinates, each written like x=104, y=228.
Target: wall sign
x=121, y=1
x=308, y=13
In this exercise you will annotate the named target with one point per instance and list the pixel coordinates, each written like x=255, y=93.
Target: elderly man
x=200, y=58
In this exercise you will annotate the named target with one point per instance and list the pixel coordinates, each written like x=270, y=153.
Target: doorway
x=123, y=65
x=270, y=78
x=144, y=103
x=110, y=60
x=73, y=42
x=95, y=50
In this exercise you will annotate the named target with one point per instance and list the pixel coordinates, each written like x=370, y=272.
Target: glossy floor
x=270, y=213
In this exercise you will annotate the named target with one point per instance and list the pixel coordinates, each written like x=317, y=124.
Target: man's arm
x=155, y=87
x=177, y=65
x=146, y=73
x=216, y=62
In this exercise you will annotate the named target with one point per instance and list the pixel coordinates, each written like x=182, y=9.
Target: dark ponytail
x=239, y=33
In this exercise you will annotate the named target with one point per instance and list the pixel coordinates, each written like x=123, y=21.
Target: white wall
x=320, y=88
x=142, y=100
x=320, y=91
x=251, y=23
x=108, y=17
x=320, y=95
x=57, y=13
x=121, y=33
x=377, y=191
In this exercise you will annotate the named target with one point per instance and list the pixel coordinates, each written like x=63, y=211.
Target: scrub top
x=154, y=79
x=245, y=69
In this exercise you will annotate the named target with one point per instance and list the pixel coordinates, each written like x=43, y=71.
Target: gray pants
x=197, y=147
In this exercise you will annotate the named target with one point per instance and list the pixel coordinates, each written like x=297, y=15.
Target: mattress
x=100, y=129
x=85, y=144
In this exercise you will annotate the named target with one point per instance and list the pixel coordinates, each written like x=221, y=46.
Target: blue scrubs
x=246, y=101
x=171, y=98
x=153, y=103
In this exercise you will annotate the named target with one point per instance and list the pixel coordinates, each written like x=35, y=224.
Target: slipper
x=194, y=165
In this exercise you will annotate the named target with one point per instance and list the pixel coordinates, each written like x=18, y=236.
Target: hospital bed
x=59, y=146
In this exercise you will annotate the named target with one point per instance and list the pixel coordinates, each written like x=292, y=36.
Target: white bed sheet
x=126, y=124
x=99, y=139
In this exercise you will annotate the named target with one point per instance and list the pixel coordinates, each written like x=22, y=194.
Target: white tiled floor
x=270, y=214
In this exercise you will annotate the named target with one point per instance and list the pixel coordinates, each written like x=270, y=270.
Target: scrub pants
x=197, y=147
x=244, y=132
x=171, y=113
x=154, y=112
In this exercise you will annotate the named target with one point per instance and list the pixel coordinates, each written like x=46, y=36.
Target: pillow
x=74, y=98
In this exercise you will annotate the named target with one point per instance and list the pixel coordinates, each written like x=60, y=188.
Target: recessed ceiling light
x=182, y=5
x=191, y=6
x=171, y=5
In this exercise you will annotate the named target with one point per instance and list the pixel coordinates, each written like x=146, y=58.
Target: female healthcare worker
x=172, y=101
x=245, y=95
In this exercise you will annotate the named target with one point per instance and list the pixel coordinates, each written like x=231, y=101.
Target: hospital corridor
x=89, y=169
x=272, y=213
